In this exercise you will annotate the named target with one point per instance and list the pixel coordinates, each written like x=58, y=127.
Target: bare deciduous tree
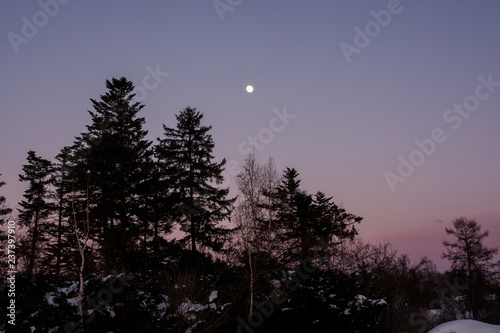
x=468, y=254
x=82, y=245
x=254, y=214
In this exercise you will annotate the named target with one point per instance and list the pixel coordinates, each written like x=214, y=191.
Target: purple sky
x=357, y=112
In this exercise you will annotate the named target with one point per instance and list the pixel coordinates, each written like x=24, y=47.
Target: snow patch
x=190, y=329
x=465, y=326
x=104, y=279
x=72, y=301
x=67, y=290
x=276, y=284
x=49, y=297
x=112, y=314
x=213, y=295
x=224, y=305
x=161, y=306
x=189, y=306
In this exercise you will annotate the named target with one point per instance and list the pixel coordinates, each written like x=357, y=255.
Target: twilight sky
x=342, y=92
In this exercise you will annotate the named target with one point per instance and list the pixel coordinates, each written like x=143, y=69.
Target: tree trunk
x=193, y=233
x=59, y=232
x=80, y=290
x=33, y=245
x=191, y=213
x=251, y=272
x=81, y=249
x=470, y=280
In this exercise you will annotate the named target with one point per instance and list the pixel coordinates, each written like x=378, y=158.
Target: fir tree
x=115, y=160
x=333, y=222
x=158, y=206
x=4, y=210
x=37, y=207
x=61, y=247
x=307, y=223
x=185, y=157
x=293, y=217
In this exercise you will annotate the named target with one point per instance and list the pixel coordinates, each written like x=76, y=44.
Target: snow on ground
x=465, y=326
x=213, y=295
x=69, y=289
x=73, y=301
x=49, y=297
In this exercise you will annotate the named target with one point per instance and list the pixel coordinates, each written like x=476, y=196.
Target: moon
x=249, y=89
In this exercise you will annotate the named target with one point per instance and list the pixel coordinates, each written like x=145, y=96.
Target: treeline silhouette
x=95, y=249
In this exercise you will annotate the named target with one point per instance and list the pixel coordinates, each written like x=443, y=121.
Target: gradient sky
x=353, y=119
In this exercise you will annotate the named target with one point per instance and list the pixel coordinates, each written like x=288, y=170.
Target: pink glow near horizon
x=403, y=131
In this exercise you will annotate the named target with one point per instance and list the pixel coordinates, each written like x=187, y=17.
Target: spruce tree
x=158, y=206
x=61, y=256
x=185, y=157
x=37, y=207
x=114, y=161
x=333, y=224
x=4, y=210
x=293, y=217
x=305, y=223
